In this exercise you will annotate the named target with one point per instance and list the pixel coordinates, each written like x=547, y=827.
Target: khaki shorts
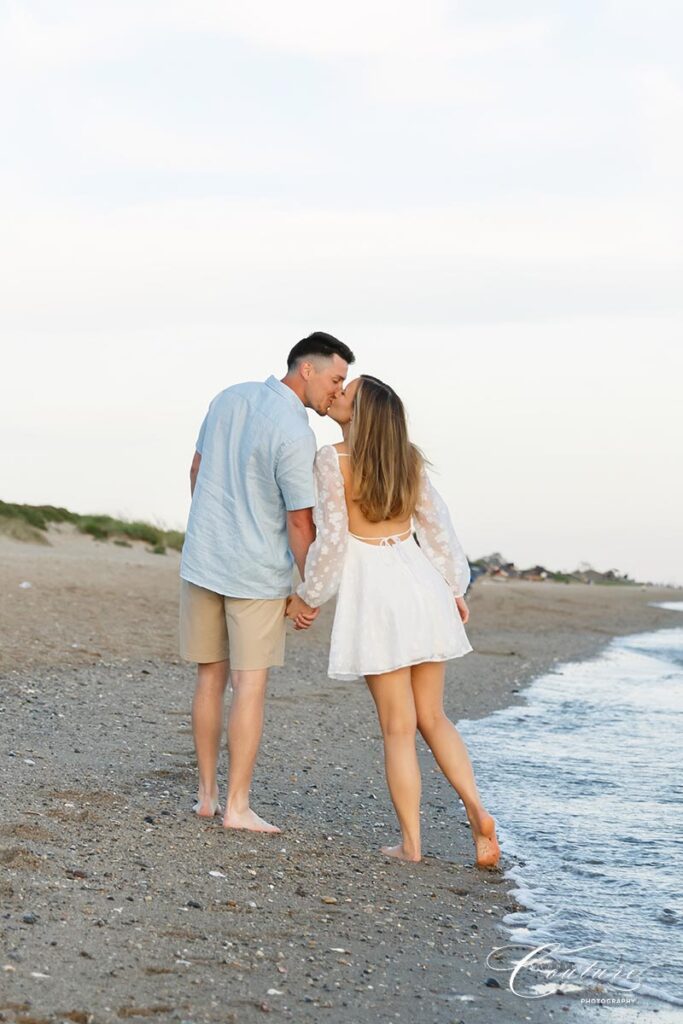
x=247, y=632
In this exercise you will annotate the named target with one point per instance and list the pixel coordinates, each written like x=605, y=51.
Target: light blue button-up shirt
x=257, y=453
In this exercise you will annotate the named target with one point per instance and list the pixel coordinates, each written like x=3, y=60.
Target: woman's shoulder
x=330, y=452
x=326, y=457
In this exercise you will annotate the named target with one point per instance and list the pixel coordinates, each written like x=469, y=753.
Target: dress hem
x=347, y=676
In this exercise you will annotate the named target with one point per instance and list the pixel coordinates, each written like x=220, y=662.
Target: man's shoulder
x=245, y=397
x=299, y=435
x=245, y=389
x=261, y=401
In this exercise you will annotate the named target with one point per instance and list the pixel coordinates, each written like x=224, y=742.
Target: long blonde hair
x=385, y=465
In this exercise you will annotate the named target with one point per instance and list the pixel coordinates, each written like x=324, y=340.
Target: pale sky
x=482, y=199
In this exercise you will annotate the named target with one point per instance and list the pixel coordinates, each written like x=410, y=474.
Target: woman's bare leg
x=393, y=697
x=451, y=755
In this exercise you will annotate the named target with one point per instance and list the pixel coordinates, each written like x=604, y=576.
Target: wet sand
x=118, y=903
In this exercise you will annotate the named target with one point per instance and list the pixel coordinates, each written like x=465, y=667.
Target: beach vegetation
x=19, y=529
x=30, y=523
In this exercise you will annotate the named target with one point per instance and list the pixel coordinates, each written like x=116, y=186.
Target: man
x=251, y=518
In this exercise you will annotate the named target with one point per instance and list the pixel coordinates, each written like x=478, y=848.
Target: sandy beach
x=118, y=903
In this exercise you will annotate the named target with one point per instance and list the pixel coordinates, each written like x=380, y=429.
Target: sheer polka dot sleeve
x=325, y=559
x=437, y=537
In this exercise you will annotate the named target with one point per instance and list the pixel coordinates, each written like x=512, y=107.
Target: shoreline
x=174, y=917
x=577, y=622
x=624, y=1006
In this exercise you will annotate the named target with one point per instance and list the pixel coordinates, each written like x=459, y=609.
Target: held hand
x=301, y=614
x=463, y=609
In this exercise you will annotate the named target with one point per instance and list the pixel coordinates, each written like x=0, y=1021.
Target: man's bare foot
x=485, y=841
x=400, y=853
x=248, y=819
x=207, y=808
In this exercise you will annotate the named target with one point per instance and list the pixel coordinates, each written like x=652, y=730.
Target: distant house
x=537, y=573
x=495, y=566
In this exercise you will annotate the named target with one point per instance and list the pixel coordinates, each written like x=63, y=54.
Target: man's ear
x=306, y=369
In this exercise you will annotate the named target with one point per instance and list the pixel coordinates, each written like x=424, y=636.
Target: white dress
x=395, y=600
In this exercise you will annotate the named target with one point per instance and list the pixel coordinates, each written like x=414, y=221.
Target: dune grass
x=18, y=529
x=30, y=523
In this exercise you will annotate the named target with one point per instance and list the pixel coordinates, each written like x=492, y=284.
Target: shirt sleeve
x=294, y=473
x=325, y=558
x=437, y=538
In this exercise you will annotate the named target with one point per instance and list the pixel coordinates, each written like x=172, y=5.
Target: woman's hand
x=463, y=609
x=301, y=614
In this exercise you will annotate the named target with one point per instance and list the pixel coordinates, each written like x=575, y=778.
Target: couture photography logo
x=534, y=972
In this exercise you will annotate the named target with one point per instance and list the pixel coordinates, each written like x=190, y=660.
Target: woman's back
x=395, y=605
x=359, y=524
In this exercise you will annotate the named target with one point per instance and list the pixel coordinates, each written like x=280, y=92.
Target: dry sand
x=119, y=904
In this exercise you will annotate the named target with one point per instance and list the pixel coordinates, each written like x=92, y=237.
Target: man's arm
x=301, y=534
x=194, y=469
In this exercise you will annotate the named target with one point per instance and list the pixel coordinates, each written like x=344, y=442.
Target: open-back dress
x=396, y=598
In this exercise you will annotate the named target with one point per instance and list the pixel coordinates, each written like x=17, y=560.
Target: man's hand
x=301, y=614
x=463, y=609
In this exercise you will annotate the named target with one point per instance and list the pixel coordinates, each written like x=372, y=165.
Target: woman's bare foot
x=400, y=853
x=206, y=807
x=248, y=819
x=485, y=841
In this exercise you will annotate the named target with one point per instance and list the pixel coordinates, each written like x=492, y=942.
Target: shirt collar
x=287, y=393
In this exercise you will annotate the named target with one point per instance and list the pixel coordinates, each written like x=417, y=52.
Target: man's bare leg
x=245, y=725
x=207, y=728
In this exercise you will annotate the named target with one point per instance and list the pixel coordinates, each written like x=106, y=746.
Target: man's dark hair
x=319, y=344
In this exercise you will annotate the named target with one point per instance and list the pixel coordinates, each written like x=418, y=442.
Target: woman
x=400, y=611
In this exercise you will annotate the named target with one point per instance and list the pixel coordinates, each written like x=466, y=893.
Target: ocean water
x=586, y=785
